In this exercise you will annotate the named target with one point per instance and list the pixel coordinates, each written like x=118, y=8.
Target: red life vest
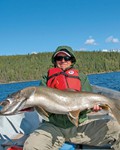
x=69, y=79
x=15, y=148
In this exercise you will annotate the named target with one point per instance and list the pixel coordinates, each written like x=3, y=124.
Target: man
x=53, y=134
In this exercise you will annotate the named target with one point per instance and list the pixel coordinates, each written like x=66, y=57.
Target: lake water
x=109, y=80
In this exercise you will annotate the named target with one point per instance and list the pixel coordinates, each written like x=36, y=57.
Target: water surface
x=109, y=80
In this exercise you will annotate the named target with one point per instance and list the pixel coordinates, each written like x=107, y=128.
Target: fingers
x=96, y=108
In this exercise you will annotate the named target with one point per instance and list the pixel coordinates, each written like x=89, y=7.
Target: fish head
x=16, y=102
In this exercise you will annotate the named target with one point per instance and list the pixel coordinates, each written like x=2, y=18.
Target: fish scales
x=46, y=99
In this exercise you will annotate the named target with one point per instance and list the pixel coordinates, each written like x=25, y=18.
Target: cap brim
x=62, y=52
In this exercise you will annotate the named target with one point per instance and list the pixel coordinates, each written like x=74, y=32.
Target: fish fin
x=105, y=107
x=43, y=113
x=74, y=116
x=115, y=108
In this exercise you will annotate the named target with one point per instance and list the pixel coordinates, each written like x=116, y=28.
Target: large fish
x=51, y=100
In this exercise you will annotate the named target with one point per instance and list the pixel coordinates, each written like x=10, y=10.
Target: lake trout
x=48, y=100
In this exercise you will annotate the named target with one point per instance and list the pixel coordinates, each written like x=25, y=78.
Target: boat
x=15, y=129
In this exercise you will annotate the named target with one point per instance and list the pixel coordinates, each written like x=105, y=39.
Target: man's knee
x=38, y=140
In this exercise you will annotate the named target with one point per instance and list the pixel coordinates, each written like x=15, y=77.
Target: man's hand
x=96, y=108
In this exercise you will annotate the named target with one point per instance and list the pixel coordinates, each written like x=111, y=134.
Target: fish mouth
x=28, y=109
x=10, y=107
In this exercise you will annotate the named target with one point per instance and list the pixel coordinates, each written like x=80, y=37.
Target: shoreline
x=103, y=72
x=18, y=81
x=39, y=79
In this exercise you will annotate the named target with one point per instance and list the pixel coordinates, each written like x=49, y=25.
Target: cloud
x=83, y=49
x=111, y=39
x=90, y=41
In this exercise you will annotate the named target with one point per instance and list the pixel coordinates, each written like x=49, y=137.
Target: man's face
x=62, y=63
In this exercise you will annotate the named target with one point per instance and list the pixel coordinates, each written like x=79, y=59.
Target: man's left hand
x=96, y=108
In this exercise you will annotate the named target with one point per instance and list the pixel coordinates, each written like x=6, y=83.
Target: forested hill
x=32, y=67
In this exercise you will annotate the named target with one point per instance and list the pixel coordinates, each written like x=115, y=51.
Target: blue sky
x=28, y=26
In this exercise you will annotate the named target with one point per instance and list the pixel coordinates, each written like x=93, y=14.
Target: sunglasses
x=59, y=58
